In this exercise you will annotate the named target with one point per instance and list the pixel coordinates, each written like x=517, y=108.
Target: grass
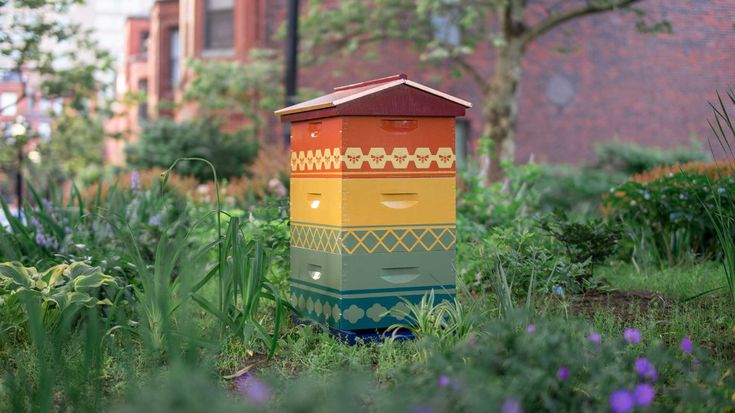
x=674, y=282
x=707, y=319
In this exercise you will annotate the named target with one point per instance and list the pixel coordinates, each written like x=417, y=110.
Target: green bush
x=579, y=189
x=629, y=158
x=666, y=219
x=164, y=141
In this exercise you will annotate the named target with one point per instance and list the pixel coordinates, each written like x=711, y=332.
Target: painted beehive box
x=372, y=200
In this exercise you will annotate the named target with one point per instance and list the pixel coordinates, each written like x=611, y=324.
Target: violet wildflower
x=686, y=345
x=563, y=373
x=135, y=184
x=645, y=369
x=595, y=338
x=511, y=406
x=255, y=390
x=621, y=401
x=155, y=220
x=443, y=381
x=632, y=336
x=531, y=328
x=643, y=394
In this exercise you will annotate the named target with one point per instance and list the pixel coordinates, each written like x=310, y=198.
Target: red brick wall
x=613, y=81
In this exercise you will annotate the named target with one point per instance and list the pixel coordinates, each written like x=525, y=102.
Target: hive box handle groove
x=400, y=275
x=399, y=200
x=399, y=126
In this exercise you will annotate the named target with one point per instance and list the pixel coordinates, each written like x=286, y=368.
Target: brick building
x=592, y=80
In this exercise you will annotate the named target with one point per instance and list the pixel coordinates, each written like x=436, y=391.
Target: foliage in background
x=628, y=158
x=61, y=61
x=666, y=220
x=712, y=170
x=225, y=90
x=164, y=141
x=579, y=190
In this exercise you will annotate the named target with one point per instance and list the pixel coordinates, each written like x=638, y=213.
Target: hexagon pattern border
x=377, y=158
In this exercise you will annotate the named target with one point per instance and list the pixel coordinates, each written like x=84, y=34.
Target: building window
x=446, y=30
x=173, y=58
x=144, y=42
x=462, y=136
x=218, y=22
x=8, y=104
x=143, y=105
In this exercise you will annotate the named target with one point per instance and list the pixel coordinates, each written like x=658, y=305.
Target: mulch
x=626, y=305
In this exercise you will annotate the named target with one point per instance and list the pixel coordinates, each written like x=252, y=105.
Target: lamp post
x=17, y=136
x=292, y=54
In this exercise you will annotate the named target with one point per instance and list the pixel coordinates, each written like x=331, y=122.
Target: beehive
x=372, y=200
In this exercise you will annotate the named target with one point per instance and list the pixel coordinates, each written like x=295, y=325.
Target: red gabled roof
x=388, y=96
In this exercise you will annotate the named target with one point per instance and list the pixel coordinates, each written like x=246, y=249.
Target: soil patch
x=626, y=305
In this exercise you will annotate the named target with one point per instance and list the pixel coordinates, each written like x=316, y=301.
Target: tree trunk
x=501, y=109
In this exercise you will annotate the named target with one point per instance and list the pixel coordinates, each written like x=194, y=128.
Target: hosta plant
x=63, y=290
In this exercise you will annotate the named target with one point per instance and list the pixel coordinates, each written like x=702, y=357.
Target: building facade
x=593, y=80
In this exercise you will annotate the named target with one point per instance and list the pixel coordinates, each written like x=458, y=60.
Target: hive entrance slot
x=314, y=129
x=399, y=200
x=315, y=271
x=314, y=199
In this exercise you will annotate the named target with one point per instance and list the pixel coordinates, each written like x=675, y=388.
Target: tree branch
x=554, y=20
x=483, y=84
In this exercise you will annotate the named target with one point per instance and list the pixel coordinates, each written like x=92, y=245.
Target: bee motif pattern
x=377, y=158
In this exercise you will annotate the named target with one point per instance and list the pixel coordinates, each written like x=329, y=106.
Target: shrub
x=523, y=264
x=577, y=190
x=588, y=242
x=164, y=141
x=712, y=170
x=629, y=158
x=666, y=218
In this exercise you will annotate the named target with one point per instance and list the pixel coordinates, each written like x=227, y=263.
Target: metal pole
x=292, y=52
x=19, y=183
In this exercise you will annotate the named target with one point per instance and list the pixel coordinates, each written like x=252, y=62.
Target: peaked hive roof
x=393, y=95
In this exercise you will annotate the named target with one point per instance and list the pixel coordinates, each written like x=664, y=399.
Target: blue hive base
x=358, y=336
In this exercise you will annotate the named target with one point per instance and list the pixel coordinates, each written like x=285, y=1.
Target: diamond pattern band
x=374, y=240
x=377, y=158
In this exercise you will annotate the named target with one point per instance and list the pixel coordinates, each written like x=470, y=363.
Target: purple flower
x=621, y=401
x=135, y=184
x=443, y=381
x=531, y=328
x=594, y=337
x=643, y=394
x=562, y=374
x=255, y=390
x=511, y=406
x=632, y=336
x=686, y=345
x=646, y=369
x=155, y=220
